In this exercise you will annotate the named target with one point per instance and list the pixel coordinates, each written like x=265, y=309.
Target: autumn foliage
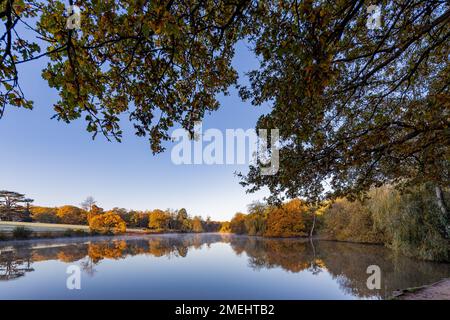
x=291, y=219
x=71, y=215
x=159, y=220
x=288, y=220
x=155, y=220
x=107, y=223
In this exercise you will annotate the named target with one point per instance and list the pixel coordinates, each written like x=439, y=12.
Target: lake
x=205, y=266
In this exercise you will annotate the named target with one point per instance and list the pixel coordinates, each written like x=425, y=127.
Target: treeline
x=409, y=221
x=292, y=219
x=157, y=220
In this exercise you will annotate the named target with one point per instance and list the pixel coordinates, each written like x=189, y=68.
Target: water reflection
x=345, y=263
x=12, y=266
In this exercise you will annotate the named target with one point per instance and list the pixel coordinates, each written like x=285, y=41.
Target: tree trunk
x=441, y=201
x=314, y=223
x=443, y=208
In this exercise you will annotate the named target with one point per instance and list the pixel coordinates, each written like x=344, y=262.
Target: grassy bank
x=30, y=230
x=33, y=230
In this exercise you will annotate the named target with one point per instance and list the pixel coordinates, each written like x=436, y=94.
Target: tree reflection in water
x=12, y=266
x=346, y=263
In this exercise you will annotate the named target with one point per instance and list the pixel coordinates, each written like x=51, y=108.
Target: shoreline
x=439, y=290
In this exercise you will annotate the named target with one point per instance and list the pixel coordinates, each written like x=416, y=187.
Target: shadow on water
x=346, y=263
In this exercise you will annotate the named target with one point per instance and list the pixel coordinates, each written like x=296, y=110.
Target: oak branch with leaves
x=157, y=62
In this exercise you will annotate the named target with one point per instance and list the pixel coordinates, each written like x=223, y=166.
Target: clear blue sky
x=57, y=163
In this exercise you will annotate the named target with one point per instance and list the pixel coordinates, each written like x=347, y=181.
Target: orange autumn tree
x=71, y=215
x=94, y=211
x=289, y=220
x=44, y=214
x=107, y=223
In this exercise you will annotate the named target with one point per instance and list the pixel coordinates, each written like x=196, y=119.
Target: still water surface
x=205, y=266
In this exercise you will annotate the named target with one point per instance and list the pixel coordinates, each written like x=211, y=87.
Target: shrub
x=21, y=233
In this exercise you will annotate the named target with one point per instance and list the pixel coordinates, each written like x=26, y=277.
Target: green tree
x=256, y=220
x=14, y=206
x=184, y=223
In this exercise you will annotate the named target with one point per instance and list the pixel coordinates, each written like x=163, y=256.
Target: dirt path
x=437, y=291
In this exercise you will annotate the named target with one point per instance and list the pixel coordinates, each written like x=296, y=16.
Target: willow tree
x=356, y=106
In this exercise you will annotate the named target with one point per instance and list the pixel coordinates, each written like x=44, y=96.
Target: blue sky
x=57, y=163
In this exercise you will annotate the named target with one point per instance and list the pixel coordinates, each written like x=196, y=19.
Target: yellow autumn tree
x=107, y=223
x=225, y=227
x=44, y=214
x=71, y=215
x=159, y=220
